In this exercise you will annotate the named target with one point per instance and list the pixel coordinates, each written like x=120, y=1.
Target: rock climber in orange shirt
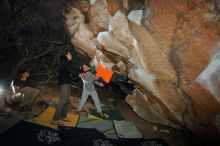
x=113, y=77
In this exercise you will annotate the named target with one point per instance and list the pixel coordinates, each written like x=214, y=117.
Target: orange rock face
x=189, y=34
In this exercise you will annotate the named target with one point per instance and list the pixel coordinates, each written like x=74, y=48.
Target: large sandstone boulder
x=170, y=50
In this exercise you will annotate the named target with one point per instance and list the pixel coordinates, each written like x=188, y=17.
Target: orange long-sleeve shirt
x=104, y=73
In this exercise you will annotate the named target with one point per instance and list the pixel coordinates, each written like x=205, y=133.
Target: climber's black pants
x=117, y=79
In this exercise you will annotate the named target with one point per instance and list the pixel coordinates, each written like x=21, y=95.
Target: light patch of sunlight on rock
x=136, y=16
x=210, y=77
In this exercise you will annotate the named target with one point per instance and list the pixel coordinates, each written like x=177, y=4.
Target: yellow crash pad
x=97, y=118
x=46, y=117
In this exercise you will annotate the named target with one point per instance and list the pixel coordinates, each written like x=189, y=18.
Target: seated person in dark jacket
x=23, y=86
x=66, y=73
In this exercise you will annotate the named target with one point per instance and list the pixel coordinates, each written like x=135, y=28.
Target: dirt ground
x=109, y=97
